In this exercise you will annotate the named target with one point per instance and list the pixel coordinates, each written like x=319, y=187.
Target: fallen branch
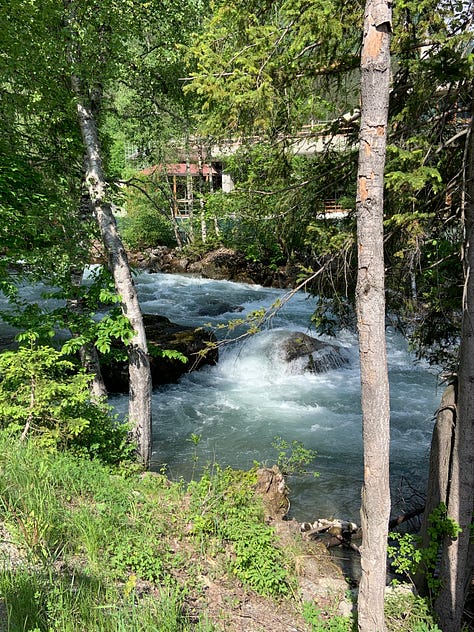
x=395, y=522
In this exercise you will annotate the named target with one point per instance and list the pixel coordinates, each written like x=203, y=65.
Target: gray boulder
x=315, y=355
x=223, y=263
x=217, y=308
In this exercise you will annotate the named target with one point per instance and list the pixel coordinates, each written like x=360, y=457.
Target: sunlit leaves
x=113, y=327
x=42, y=394
x=255, y=64
x=150, y=108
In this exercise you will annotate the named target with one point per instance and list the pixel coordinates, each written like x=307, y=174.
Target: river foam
x=252, y=395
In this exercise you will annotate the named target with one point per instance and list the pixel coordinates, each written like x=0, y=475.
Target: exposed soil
x=319, y=580
x=233, y=608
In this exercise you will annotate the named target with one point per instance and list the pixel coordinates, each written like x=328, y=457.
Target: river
x=237, y=407
x=252, y=395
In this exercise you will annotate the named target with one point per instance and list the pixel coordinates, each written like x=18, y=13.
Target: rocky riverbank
x=222, y=263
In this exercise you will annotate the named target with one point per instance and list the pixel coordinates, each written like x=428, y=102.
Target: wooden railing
x=331, y=206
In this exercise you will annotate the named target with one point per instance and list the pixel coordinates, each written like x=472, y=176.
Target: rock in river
x=162, y=335
x=314, y=355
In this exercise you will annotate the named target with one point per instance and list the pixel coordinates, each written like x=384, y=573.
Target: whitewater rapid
x=252, y=395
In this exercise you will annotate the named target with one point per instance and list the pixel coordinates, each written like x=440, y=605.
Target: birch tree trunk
x=173, y=202
x=456, y=561
x=189, y=194
x=211, y=190
x=201, y=197
x=139, y=366
x=370, y=302
x=87, y=353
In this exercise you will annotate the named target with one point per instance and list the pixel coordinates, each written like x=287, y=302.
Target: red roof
x=180, y=169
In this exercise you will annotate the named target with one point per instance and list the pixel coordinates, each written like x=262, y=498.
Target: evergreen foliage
x=255, y=66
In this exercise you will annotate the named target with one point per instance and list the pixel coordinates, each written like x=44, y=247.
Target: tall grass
x=84, y=536
x=35, y=602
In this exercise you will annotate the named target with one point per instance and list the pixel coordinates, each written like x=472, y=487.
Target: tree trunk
x=370, y=302
x=201, y=197
x=189, y=191
x=139, y=366
x=173, y=208
x=440, y=471
x=87, y=353
x=456, y=561
x=203, y=221
x=211, y=190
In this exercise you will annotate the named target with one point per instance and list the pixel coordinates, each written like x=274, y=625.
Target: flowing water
x=253, y=395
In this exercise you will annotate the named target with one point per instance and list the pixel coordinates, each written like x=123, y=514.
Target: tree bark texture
x=189, y=191
x=88, y=352
x=441, y=454
x=139, y=366
x=370, y=303
x=456, y=561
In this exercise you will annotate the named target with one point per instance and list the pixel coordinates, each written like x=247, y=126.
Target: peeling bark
x=139, y=366
x=370, y=302
x=441, y=454
x=457, y=555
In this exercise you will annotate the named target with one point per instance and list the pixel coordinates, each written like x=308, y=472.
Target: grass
x=94, y=554
x=405, y=612
x=101, y=549
x=74, y=604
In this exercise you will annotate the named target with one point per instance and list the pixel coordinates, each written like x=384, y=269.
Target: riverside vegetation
x=88, y=545
x=92, y=94
x=90, y=541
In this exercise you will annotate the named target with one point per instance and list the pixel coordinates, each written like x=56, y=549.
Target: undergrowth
x=88, y=547
x=98, y=547
x=37, y=603
x=224, y=508
x=405, y=612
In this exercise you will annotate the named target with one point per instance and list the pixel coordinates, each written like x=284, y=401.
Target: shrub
x=44, y=395
x=145, y=226
x=223, y=504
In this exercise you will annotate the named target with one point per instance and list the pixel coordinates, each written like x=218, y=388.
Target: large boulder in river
x=214, y=307
x=312, y=354
x=163, y=335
